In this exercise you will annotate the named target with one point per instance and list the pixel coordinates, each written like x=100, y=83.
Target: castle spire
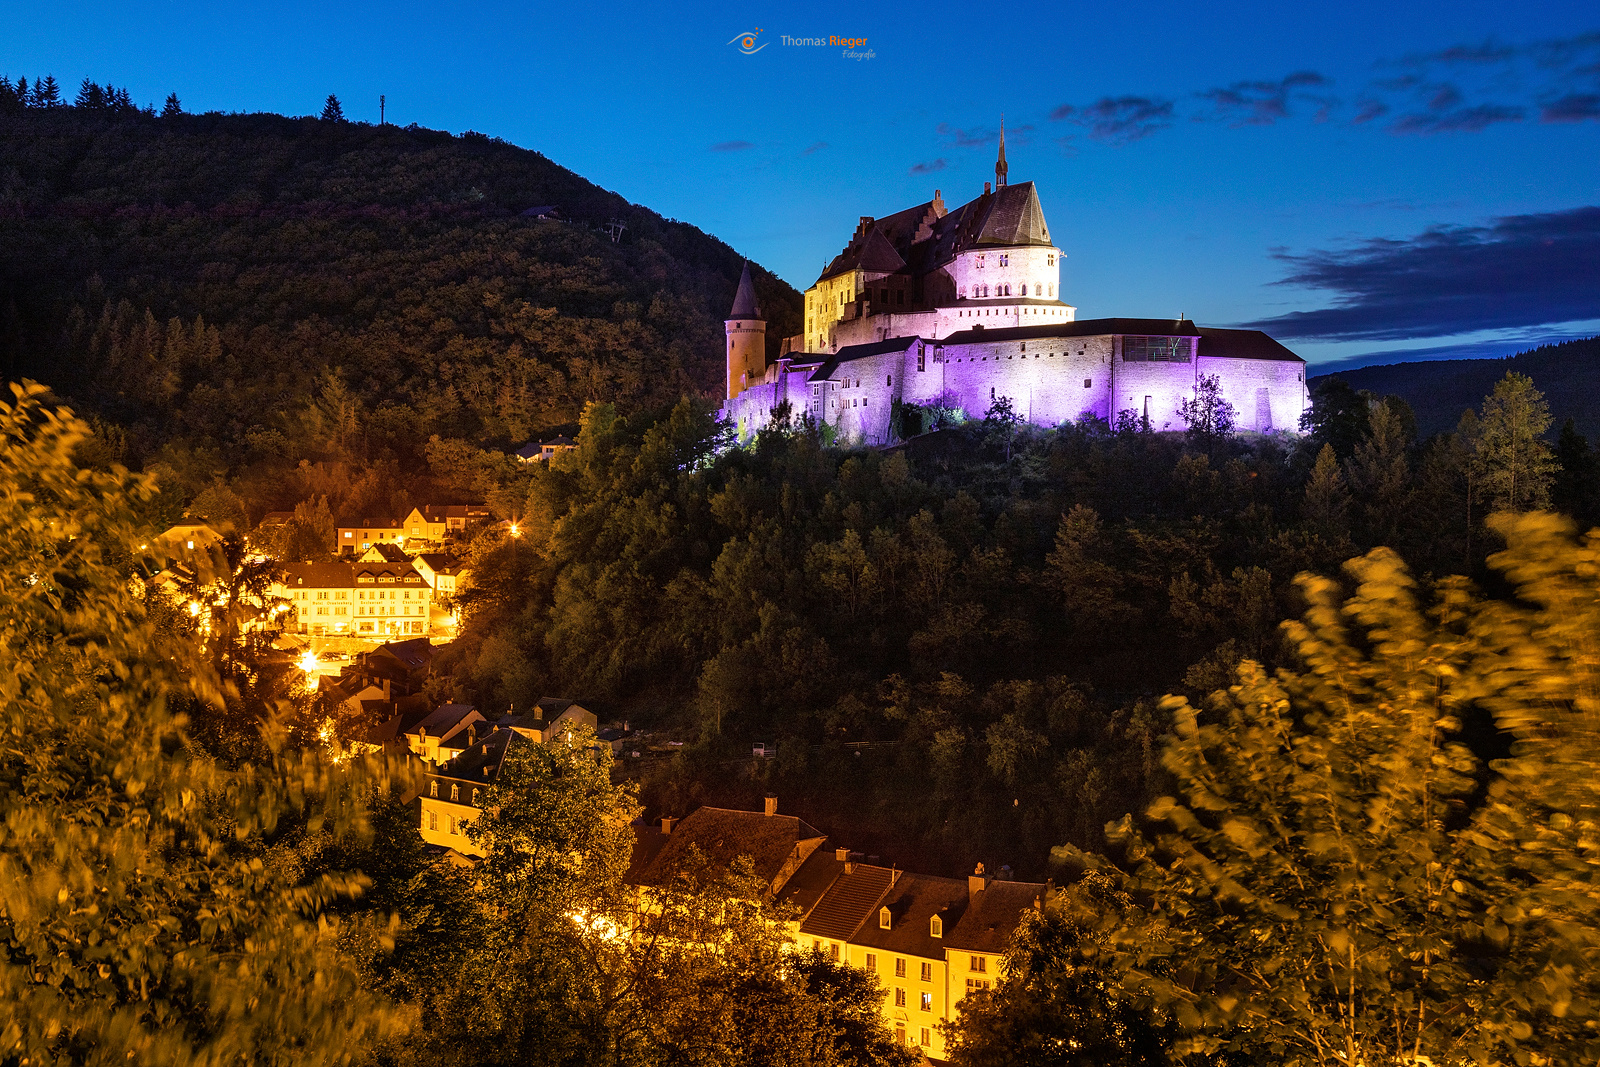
x=744, y=301
x=1000, y=167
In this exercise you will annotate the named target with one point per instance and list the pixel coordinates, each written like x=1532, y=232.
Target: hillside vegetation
x=1440, y=390
x=272, y=287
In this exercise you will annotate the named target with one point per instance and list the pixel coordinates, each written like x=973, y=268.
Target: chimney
x=986, y=188
x=841, y=854
x=977, y=882
x=666, y=824
x=386, y=689
x=772, y=804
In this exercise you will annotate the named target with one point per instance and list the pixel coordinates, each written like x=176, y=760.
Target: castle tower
x=747, y=338
x=1000, y=167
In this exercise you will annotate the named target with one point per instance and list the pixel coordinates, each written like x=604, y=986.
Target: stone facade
x=957, y=309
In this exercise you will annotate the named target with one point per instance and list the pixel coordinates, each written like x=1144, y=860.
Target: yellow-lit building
x=362, y=599
x=363, y=533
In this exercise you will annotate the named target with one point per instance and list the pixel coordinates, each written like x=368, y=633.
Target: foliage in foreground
x=1340, y=880
x=145, y=914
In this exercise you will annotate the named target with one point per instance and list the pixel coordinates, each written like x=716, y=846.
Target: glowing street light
x=309, y=662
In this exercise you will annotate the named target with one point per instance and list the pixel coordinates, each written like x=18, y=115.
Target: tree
x=1320, y=892
x=1000, y=424
x=331, y=110
x=1513, y=467
x=47, y=93
x=309, y=535
x=171, y=107
x=90, y=96
x=1337, y=416
x=1209, y=416
x=1326, y=506
x=1061, y=1001
x=1380, y=476
x=1576, y=489
x=141, y=922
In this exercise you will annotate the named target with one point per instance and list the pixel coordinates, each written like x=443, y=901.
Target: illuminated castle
x=956, y=309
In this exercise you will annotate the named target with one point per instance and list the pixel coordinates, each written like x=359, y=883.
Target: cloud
x=973, y=138
x=1367, y=110
x=929, y=166
x=1457, y=120
x=1520, y=271
x=1574, y=107
x=732, y=146
x=1261, y=103
x=814, y=148
x=1119, y=120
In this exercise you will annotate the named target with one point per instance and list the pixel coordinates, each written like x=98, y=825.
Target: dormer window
x=883, y=918
x=936, y=927
x=455, y=792
x=433, y=789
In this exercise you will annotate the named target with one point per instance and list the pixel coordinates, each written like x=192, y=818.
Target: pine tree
x=89, y=96
x=1576, y=490
x=47, y=93
x=1514, y=468
x=1380, y=477
x=171, y=107
x=1327, y=502
x=331, y=111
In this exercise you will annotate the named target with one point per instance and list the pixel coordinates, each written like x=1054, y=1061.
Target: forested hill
x=234, y=280
x=1439, y=391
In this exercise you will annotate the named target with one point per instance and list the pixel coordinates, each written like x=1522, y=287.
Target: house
x=355, y=599
x=436, y=522
x=358, y=535
x=447, y=576
x=931, y=940
x=430, y=737
x=452, y=797
x=542, y=211
x=398, y=667
x=384, y=552
x=541, y=451
x=187, y=537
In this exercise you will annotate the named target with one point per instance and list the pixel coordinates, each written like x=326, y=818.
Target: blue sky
x=1362, y=178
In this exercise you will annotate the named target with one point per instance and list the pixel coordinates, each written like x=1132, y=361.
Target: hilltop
x=1439, y=391
x=265, y=285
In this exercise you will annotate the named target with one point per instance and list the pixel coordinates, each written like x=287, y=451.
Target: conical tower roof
x=744, y=302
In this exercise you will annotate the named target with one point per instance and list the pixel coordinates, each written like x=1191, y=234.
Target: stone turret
x=747, y=338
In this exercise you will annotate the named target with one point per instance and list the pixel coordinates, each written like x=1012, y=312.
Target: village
x=364, y=626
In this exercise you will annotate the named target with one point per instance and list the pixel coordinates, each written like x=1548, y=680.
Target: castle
x=954, y=310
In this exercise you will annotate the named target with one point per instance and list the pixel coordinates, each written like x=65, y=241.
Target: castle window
x=1049, y=261
x=1005, y=260
x=922, y=358
x=980, y=261
x=899, y=296
x=883, y=294
x=1087, y=382
x=888, y=379
x=1155, y=349
x=1024, y=289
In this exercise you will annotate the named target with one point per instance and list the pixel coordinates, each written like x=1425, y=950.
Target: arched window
x=433, y=789
x=883, y=918
x=455, y=792
x=936, y=927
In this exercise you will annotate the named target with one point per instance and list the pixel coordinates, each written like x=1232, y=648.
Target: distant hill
x=346, y=278
x=1439, y=391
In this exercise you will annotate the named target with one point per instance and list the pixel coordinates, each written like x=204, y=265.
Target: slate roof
x=475, y=759
x=744, y=301
x=528, y=451
x=414, y=653
x=922, y=238
x=807, y=885
x=993, y=916
x=647, y=842
x=724, y=834
x=1242, y=344
x=345, y=575
x=1080, y=328
x=391, y=552
x=848, y=901
x=914, y=900
x=854, y=352
x=444, y=720
x=402, y=723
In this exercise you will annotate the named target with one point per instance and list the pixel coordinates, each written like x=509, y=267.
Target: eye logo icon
x=747, y=42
